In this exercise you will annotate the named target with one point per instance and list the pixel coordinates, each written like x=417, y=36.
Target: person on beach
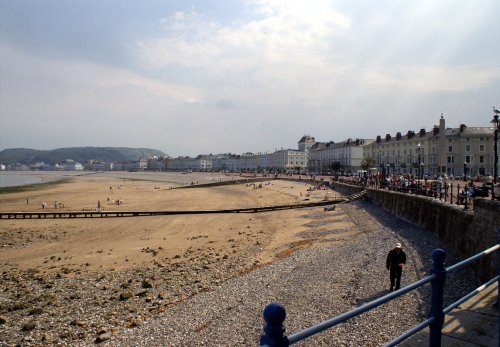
x=394, y=263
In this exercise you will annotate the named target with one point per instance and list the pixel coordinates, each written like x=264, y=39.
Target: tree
x=336, y=166
x=367, y=163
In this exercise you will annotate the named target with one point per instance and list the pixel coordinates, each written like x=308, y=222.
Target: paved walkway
x=474, y=323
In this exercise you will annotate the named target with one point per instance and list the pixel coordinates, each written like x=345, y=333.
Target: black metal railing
x=274, y=314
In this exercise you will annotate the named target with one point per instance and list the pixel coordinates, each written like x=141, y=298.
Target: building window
x=450, y=149
x=467, y=148
x=451, y=159
x=467, y=139
x=469, y=159
x=481, y=159
x=481, y=148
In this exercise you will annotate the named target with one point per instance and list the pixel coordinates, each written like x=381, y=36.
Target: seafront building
x=69, y=165
x=454, y=151
x=285, y=160
x=345, y=156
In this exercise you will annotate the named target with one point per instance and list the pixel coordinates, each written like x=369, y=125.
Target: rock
x=3, y=319
x=78, y=323
x=147, y=284
x=17, y=306
x=29, y=326
x=46, y=338
x=134, y=323
x=35, y=311
x=103, y=337
x=125, y=296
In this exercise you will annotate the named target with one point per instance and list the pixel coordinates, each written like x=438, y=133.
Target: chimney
x=410, y=134
x=379, y=139
x=388, y=137
x=398, y=136
x=435, y=131
x=422, y=132
x=357, y=142
x=462, y=127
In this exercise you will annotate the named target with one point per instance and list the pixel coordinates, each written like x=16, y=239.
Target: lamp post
x=496, y=126
x=420, y=162
x=465, y=170
x=381, y=175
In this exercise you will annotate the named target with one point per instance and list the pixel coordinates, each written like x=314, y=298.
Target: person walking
x=394, y=263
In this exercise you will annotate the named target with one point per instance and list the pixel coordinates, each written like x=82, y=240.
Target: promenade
x=474, y=323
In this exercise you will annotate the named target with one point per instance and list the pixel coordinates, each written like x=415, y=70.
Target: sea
x=12, y=180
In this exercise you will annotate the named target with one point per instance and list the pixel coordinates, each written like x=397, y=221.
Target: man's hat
x=398, y=245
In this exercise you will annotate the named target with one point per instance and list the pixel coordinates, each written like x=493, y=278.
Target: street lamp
x=496, y=127
x=465, y=170
x=420, y=161
x=380, y=164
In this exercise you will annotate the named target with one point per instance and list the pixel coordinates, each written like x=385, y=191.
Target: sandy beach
x=111, y=254
x=90, y=245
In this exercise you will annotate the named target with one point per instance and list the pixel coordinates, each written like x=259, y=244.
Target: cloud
x=311, y=50
x=75, y=76
x=51, y=102
x=431, y=79
x=225, y=104
x=283, y=32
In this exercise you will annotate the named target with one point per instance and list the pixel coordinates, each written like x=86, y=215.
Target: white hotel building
x=283, y=160
x=453, y=151
x=346, y=156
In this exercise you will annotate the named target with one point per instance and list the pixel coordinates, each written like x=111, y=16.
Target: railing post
x=458, y=193
x=274, y=329
x=436, y=311
x=451, y=193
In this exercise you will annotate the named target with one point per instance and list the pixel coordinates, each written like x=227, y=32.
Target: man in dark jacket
x=395, y=261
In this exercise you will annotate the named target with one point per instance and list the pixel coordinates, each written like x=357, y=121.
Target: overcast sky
x=192, y=77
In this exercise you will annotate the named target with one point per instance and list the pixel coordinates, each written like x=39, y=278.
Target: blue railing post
x=274, y=316
x=436, y=311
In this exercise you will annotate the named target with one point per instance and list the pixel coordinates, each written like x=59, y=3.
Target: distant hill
x=80, y=154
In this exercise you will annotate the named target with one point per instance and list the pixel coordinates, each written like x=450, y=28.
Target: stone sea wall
x=467, y=232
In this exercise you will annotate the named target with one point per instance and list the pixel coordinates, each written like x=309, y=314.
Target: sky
x=199, y=77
